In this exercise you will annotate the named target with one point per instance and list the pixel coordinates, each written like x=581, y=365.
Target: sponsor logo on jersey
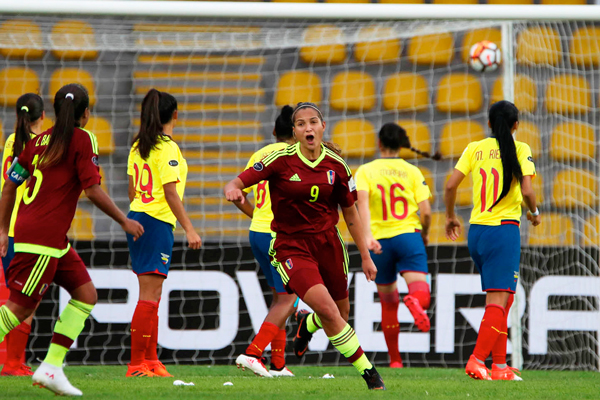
x=330, y=177
x=295, y=178
x=352, y=184
x=289, y=264
x=173, y=163
x=258, y=166
x=95, y=161
x=43, y=288
x=165, y=258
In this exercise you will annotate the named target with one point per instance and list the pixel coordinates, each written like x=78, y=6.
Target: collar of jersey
x=306, y=161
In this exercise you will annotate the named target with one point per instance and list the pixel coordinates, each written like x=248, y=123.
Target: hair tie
x=25, y=108
x=70, y=96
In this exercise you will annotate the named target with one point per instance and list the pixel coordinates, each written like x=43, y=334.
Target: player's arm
x=365, y=215
x=453, y=227
x=246, y=207
x=357, y=231
x=528, y=169
x=176, y=206
x=260, y=171
x=17, y=175
x=425, y=213
x=131, y=189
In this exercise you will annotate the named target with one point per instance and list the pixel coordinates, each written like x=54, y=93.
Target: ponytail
x=435, y=156
x=393, y=137
x=30, y=107
x=157, y=110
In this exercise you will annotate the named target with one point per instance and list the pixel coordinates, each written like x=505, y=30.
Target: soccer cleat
x=505, y=374
x=54, y=379
x=22, y=370
x=158, y=368
x=373, y=379
x=280, y=372
x=396, y=364
x=477, y=370
x=138, y=371
x=303, y=336
x=421, y=319
x=256, y=365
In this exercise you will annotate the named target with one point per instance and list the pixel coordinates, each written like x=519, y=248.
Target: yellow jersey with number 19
x=165, y=164
x=482, y=159
x=263, y=215
x=395, y=190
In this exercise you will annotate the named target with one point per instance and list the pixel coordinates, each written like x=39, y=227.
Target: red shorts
x=304, y=261
x=29, y=275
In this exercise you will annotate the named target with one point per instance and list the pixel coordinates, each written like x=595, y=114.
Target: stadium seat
x=14, y=81
x=456, y=135
x=319, y=49
x=564, y=2
x=555, y=230
x=102, y=128
x=347, y=1
x=455, y=1
x=529, y=133
x=293, y=1
x=64, y=76
x=353, y=91
x=464, y=194
x=436, y=49
x=573, y=141
x=525, y=92
x=76, y=34
x=585, y=47
x=575, y=188
x=419, y=136
x=502, y=2
x=47, y=123
x=430, y=180
x=459, y=93
x=356, y=137
x=82, y=227
x=377, y=45
x=568, y=94
x=296, y=86
x=406, y=91
x=476, y=36
x=437, y=232
x=591, y=231
x=539, y=45
x=401, y=1
x=24, y=38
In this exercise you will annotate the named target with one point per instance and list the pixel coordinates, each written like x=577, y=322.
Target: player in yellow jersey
x=272, y=329
x=157, y=174
x=390, y=193
x=30, y=116
x=502, y=170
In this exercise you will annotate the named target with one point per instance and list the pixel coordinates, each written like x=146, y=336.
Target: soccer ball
x=485, y=56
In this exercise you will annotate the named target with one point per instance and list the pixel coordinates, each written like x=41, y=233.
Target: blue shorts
x=151, y=253
x=260, y=243
x=496, y=251
x=10, y=254
x=402, y=253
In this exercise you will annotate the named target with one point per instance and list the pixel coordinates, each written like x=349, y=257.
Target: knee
x=90, y=296
x=327, y=312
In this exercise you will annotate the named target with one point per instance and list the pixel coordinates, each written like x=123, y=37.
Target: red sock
x=141, y=329
x=278, y=350
x=490, y=329
x=16, y=342
x=265, y=335
x=499, y=349
x=389, y=323
x=151, y=350
x=420, y=291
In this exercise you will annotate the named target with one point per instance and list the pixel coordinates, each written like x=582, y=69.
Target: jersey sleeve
x=526, y=160
x=346, y=190
x=86, y=161
x=6, y=160
x=421, y=190
x=262, y=170
x=464, y=162
x=130, y=167
x=361, y=179
x=249, y=164
x=167, y=162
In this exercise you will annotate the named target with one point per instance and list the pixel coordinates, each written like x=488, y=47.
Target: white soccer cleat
x=254, y=364
x=54, y=379
x=283, y=372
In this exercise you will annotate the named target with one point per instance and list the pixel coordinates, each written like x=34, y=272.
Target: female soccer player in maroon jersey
x=308, y=182
x=61, y=162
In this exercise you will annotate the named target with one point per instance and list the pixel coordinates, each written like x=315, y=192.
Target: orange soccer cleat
x=505, y=374
x=477, y=370
x=158, y=368
x=139, y=371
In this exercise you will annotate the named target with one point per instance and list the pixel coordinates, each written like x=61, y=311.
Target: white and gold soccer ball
x=485, y=56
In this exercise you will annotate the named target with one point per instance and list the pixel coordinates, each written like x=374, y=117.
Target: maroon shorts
x=304, y=261
x=29, y=276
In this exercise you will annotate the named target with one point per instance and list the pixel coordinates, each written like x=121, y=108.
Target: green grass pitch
x=109, y=382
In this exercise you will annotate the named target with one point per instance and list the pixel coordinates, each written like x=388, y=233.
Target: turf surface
x=109, y=382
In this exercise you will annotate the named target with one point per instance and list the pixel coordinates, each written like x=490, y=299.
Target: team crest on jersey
x=289, y=264
x=43, y=289
x=165, y=258
x=258, y=166
x=95, y=161
x=530, y=158
x=330, y=177
x=173, y=163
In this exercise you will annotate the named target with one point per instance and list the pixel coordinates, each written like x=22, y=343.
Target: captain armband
x=16, y=173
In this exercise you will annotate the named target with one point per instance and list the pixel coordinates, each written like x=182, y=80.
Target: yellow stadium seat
x=525, y=91
x=102, y=128
x=294, y=1
x=459, y=93
x=76, y=34
x=564, y=2
x=568, y=94
x=377, y=45
x=502, y=2
x=492, y=34
x=352, y=91
x=401, y=1
x=437, y=48
x=575, y=188
x=539, y=45
x=455, y=1
x=573, y=141
x=47, y=123
x=64, y=76
x=591, y=231
x=15, y=81
x=82, y=227
x=356, y=137
x=585, y=47
x=555, y=230
x=24, y=38
x=529, y=133
x=406, y=91
x=456, y=135
x=429, y=179
x=419, y=136
x=437, y=232
x=464, y=194
x=323, y=45
x=347, y=1
x=296, y=86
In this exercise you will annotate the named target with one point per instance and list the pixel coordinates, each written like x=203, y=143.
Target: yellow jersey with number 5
x=165, y=164
x=482, y=159
x=263, y=215
x=395, y=190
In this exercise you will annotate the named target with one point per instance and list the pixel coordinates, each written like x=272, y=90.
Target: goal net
x=231, y=76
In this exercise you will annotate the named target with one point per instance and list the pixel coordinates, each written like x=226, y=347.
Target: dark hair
x=70, y=103
x=284, y=129
x=30, y=107
x=392, y=136
x=503, y=115
x=307, y=104
x=157, y=110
